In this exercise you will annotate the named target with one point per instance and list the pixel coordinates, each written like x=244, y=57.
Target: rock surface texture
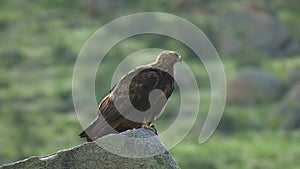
x=91, y=155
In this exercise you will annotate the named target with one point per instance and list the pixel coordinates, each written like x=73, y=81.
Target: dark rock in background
x=11, y=57
x=252, y=85
x=90, y=155
x=98, y=7
x=293, y=76
x=252, y=26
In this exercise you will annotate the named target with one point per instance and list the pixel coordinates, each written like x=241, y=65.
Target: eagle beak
x=179, y=59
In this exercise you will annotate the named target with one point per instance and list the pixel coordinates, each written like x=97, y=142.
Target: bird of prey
x=130, y=104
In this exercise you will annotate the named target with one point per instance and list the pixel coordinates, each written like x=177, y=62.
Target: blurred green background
x=258, y=42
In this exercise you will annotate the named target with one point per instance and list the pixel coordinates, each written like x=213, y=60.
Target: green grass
x=38, y=47
x=267, y=149
x=280, y=67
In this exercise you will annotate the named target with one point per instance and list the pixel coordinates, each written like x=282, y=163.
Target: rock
x=252, y=85
x=252, y=26
x=91, y=155
x=98, y=7
x=293, y=76
x=191, y=6
x=11, y=57
x=287, y=114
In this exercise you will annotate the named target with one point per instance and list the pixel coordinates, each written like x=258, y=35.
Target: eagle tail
x=96, y=130
x=84, y=135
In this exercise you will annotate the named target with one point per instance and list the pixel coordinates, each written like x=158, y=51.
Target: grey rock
x=293, y=76
x=149, y=152
x=252, y=85
x=252, y=26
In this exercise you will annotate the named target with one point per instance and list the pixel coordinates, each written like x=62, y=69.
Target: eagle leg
x=151, y=127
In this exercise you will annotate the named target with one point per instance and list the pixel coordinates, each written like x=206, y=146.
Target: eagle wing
x=138, y=84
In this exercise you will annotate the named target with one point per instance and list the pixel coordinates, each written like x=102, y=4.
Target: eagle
x=131, y=104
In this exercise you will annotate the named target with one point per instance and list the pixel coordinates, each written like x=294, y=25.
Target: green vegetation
x=39, y=45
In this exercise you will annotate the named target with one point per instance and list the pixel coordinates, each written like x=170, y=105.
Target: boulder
x=242, y=28
x=11, y=57
x=252, y=85
x=293, y=76
x=98, y=7
x=96, y=155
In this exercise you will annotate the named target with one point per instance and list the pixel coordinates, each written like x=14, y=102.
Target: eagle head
x=168, y=57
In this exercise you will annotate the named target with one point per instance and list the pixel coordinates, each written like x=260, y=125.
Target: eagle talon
x=150, y=127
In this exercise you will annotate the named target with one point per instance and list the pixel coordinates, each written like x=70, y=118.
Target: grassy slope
x=36, y=114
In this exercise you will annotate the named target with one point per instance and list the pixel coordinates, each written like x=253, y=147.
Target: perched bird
x=128, y=104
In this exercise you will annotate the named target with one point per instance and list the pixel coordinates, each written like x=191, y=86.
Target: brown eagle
x=130, y=103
